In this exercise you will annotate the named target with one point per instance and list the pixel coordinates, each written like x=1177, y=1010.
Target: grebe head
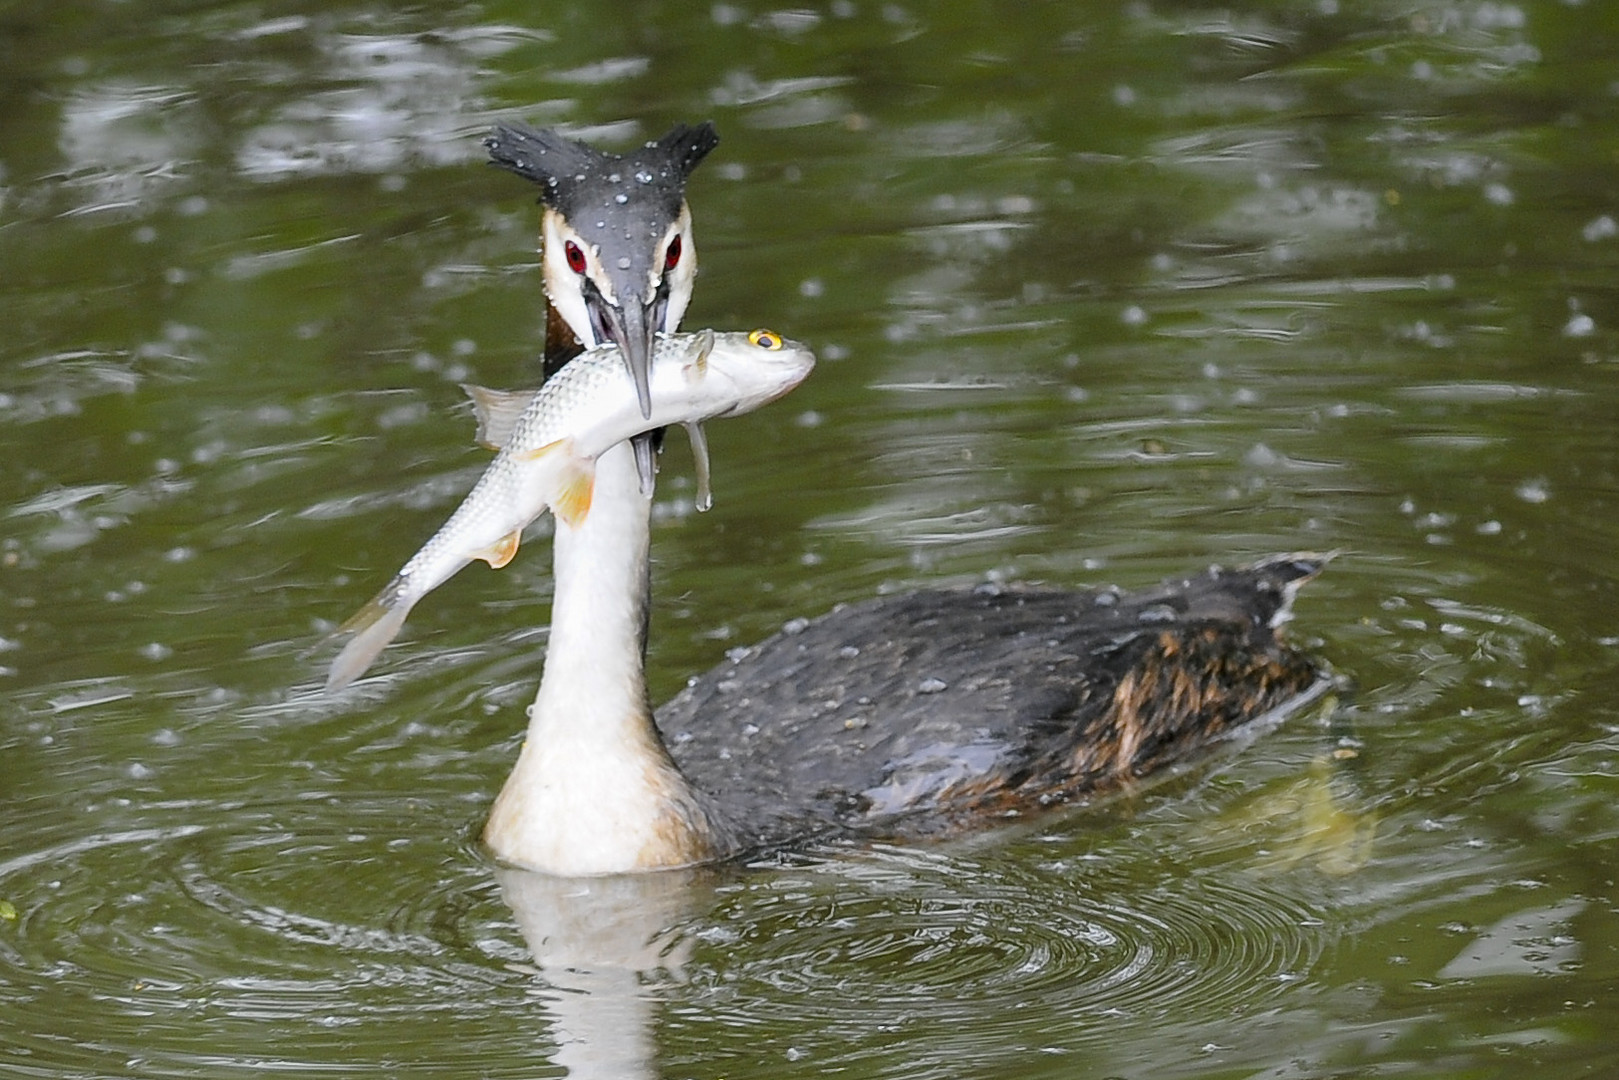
x=617, y=247
x=761, y=366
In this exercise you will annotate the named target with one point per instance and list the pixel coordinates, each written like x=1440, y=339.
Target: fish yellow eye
x=765, y=339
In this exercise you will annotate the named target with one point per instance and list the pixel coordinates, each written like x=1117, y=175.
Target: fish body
x=549, y=442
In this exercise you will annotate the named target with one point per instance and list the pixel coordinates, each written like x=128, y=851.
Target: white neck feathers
x=594, y=791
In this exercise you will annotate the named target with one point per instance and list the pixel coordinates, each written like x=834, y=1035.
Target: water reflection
x=188, y=938
x=936, y=945
x=594, y=940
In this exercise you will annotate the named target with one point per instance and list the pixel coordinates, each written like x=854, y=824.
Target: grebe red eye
x=575, y=257
x=672, y=255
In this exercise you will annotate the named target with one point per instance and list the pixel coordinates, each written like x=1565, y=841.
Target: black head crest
x=688, y=146
x=541, y=156
x=576, y=178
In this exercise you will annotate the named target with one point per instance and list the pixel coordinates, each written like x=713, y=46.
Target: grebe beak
x=631, y=326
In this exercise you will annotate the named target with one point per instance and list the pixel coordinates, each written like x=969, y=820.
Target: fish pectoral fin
x=502, y=551
x=575, y=487
x=697, y=366
x=497, y=412
x=699, y=457
x=575, y=480
x=570, y=496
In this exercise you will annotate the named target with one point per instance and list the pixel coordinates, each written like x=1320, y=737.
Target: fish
x=496, y=412
x=548, y=442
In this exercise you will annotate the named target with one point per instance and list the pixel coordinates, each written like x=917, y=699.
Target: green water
x=1101, y=293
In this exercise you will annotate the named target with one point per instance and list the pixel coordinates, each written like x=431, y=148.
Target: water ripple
x=898, y=937
x=158, y=927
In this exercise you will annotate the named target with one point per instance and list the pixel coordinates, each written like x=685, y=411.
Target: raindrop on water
x=1535, y=490
x=1600, y=229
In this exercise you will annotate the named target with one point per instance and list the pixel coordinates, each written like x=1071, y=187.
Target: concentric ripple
x=900, y=939
x=183, y=939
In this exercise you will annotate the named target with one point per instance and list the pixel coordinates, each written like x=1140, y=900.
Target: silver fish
x=548, y=454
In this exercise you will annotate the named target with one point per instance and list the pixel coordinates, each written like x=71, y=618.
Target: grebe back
x=929, y=712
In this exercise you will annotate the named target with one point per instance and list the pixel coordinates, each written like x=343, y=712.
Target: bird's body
x=904, y=716
x=929, y=712
x=918, y=715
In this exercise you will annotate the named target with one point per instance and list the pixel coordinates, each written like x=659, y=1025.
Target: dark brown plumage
x=926, y=713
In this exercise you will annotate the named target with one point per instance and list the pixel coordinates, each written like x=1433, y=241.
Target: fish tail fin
x=373, y=627
x=575, y=483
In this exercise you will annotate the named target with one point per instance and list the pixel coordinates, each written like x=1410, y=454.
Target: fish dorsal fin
x=575, y=482
x=699, y=457
x=497, y=412
x=696, y=365
x=502, y=551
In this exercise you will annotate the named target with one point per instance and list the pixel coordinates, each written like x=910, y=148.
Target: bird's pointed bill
x=628, y=326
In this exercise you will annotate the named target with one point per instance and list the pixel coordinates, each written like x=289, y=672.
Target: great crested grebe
x=903, y=716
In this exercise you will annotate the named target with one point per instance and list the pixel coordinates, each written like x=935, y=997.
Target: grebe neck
x=594, y=791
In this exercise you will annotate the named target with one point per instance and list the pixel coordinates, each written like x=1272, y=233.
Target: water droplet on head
x=621, y=198
x=644, y=177
x=580, y=177
x=623, y=262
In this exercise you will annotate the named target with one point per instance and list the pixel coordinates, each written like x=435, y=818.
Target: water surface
x=1102, y=293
